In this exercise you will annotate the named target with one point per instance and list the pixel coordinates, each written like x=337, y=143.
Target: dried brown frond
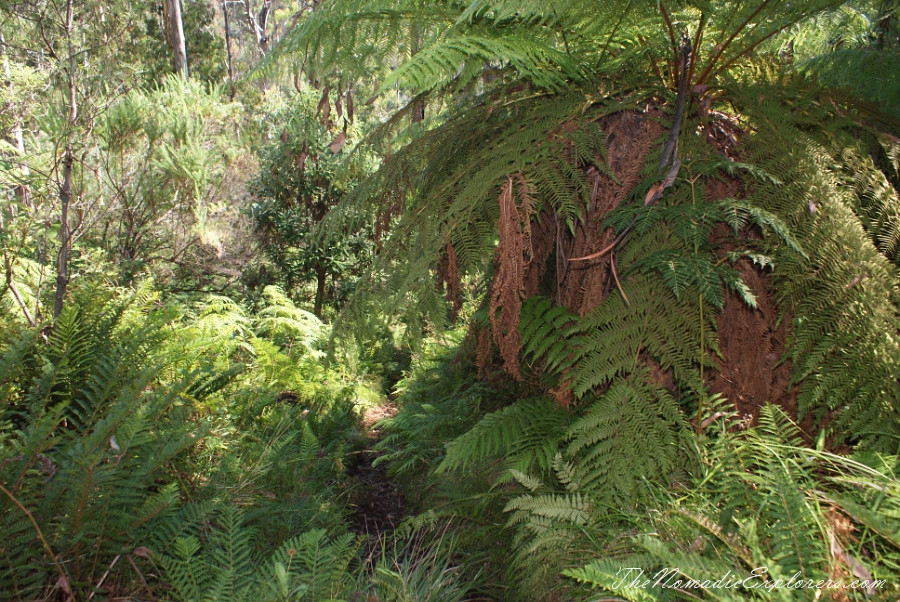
x=387, y=211
x=526, y=209
x=507, y=288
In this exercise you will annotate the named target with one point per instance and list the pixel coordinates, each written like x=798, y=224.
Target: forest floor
x=380, y=506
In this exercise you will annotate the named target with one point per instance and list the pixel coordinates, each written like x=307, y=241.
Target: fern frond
x=605, y=445
x=610, y=576
x=319, y=564
x=520, y=432
x=871, y=75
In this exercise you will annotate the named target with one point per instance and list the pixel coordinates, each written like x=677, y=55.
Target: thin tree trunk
x=65, y=189
x=228, y=47
x=258, y=26
x=415, y=44
x=321, y=275
x=175, y=30
x=62, y=263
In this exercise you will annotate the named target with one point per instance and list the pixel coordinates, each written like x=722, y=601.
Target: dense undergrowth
x=178, y=452
x=554, y=504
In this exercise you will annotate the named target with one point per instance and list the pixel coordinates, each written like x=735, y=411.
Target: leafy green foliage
x=298, y=184
x=201, y=438
x=439, y=403
x=525, y=433
x=868, y=74
x=126, y=408
x=161, y=154
x=593, y=351
x=206, y=50
x=843, y=297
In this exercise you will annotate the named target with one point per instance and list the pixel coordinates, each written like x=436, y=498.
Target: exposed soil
x=380, y=506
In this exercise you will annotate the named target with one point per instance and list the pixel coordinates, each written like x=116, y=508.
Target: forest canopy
x=487, y=300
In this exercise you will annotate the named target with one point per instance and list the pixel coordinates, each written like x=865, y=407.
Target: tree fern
x=876, y=190
x=632, y=360
x=609, y=342
x=868, y=74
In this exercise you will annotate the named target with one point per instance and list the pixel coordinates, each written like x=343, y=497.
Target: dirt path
x=380, y=506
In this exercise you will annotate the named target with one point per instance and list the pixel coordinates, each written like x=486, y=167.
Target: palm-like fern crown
x=548, y=119
x=443, y=46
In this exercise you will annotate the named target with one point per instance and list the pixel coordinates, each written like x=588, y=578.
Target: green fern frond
x=572, y=508
x=616, y=333
x=321, y=565
x=518, y=432
x=440, y=63
x=870, y=75
x=287, y=324
x=612, y=577
x=842, y=351
x=605, y=444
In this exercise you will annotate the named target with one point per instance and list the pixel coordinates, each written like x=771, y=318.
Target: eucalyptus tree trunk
x=259, y=24
x=175, y=35
x=23, y=194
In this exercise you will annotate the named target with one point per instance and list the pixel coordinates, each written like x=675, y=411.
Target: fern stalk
x=62, y=574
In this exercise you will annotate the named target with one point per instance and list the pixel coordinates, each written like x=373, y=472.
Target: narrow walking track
x=380, y=506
